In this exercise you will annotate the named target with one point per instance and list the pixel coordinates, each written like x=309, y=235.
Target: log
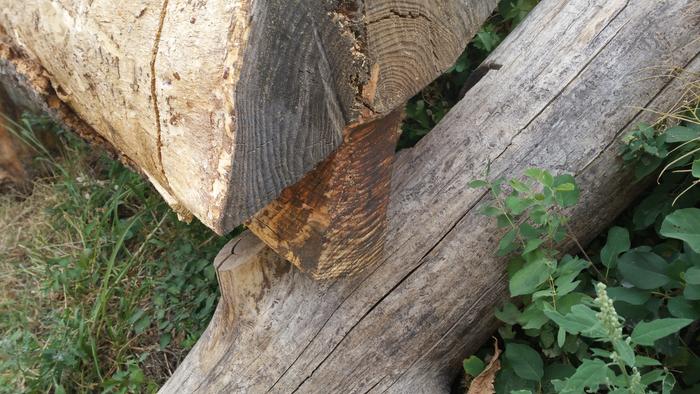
x=223, y=104
x=576, y=75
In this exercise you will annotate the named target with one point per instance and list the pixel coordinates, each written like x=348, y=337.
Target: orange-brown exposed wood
x=333, y=221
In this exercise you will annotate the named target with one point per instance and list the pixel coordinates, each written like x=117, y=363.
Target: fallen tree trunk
x=222, y=104
x=574, y=77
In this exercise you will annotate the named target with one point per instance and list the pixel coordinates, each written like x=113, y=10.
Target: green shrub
x=625, y=320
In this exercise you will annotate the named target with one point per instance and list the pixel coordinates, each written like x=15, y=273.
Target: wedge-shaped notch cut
x=333, y=221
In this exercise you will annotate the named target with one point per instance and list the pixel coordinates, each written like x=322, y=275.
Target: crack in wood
x=154, y=96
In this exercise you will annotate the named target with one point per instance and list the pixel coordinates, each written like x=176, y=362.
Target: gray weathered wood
x=223, y=103
x=574, y=78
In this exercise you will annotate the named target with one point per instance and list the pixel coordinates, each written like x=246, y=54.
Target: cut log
x=575, y=76
x=223, y=104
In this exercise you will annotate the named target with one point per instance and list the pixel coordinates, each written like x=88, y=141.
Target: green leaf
x=581, y=319
x=492, y=211
x=525, y=361
x=540, y=175
x=532, y=245
x=692, y=292
x=164, y=341
x=561, y=336
x=668, y=383
x=142, y=324
x=565, y=287
x=487, y=39
x=136, y=375
x=473, y=366
x=136, y=316
x=478, y=184
x=646, y=213
x=509, y=314
x=696, y=168
x=681, y=134
x=566, y=191
x=618, y=242
x=644, y=270
x=681, y=307
x=624, y=350
x=629, y=295
x=647, y=166
x=590, y=374
x=683, y=224
x=652, y=376
x=507, y=243
x=565, y=187
x=642, y=361
x=507, y=382
x=519, y=186
x=646, y=333
x=517, y=205
x=529, y=277
x=533, y=317
x=692, y=276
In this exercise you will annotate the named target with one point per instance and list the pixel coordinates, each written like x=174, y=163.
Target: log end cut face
x=223, y=104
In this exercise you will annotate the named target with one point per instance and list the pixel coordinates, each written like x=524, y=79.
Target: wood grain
x=333, y=221
x=575, y=77
x=223, y=104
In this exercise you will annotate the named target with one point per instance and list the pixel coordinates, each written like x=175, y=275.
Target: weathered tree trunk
x=222, y=104
x=574, y=78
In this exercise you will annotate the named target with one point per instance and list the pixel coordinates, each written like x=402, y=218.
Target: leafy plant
x=625, y=320
x=563, y=332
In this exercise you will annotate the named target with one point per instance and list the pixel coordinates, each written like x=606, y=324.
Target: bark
x=223, y=104
x=575, y=76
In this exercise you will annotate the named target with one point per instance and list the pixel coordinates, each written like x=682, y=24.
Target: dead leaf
x=483, y=384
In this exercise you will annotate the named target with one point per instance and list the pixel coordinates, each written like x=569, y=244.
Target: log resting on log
x=575, y=77
x=222, y=103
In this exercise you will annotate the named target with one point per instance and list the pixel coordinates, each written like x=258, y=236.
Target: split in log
x=574, y=77
x=223, y=104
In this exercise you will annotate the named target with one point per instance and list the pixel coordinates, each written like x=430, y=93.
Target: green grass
x=105, y=290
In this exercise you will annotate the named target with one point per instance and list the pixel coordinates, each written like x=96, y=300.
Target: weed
x=626, y=320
